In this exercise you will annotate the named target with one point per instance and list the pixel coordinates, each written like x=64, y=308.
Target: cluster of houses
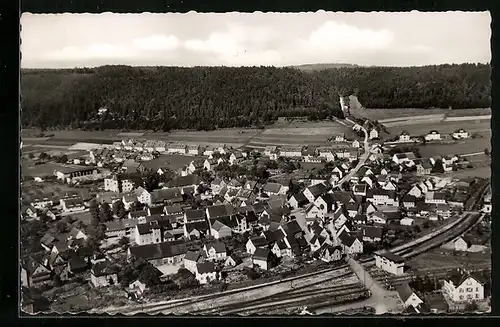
x=65, y=256
x=434, y=135
x=462, y=286
x=50, y=206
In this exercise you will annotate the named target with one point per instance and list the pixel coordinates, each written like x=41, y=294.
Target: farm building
x=460, y=134
x=390, y=262
x=262, y=258
x=104, y=274
x=408, y=296
x=433, y=136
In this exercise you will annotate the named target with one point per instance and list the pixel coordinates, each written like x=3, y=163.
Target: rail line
x=285, y=294
x=166, y=305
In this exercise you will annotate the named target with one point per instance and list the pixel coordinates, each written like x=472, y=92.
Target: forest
x=207, y=98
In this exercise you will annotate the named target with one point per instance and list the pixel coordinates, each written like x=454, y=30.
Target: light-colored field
x=468, y=118
x=412, y=118
x=323, y=131
x=464, y=147
x=46, y=169
x=130, y=134
x=378, y=114
x=174, y=162
x=482, y=126
x=482, y=172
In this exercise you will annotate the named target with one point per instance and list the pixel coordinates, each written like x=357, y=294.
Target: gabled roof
x=347, y=239
x=139, y=213
x=292, y=227
x=158, y=250
x=300, y=198
x=205, y=267
x=261, y=254
x=219, y=247
x=409, y=198
x=194, y=214
x=259, y=241
x=330, y=249
x=192, y=256
x=372, y=231
x=220, y=210
x=405, y=291
x=199, y=226
x=181, y=181
x=273, y=236
x=461, y=276
x=272, y=187
x=104, y=268
x=391, y=256
x=318, y=189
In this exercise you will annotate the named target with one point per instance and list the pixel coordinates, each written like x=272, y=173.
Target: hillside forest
x=206, y=98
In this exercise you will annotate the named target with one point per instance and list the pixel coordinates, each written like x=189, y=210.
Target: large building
x=112, y=185
x=390, y=262
x=70, y=174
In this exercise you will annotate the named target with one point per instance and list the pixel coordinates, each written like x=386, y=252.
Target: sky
x=254, y=39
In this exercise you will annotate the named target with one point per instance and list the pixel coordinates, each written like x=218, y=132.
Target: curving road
x=361, y=162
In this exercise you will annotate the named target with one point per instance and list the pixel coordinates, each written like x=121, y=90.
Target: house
x=368, y=208
x=34, y=273
x=460, y=243
x=29, y=212
x=407, y=221
x=435, y=198
x=433, y=136
x=120, y=228
x=359, y=219
x=205, y=272
x=297, y=201
x=262, y=258
x=463, y=286
x=407, y=158
x=351, y=244
x=373, y=134
x=256, y=242
x=147, y=233
x=443, y=210
x=404, y=137
x=216, y=185
x=326, y=153
x=360, y=189
x=210, y=164
x=235, y=158
x=313, y=212
x=232, y=261
x=274, y=189
x=290, y=152
x=389, y=186
x=184, y=182
x=215, y=251
x=416, y=191
x=382, y=197
x=42, y=202
x=460, y=134
x=159, y=253
x=219, y=230
x=137, y=287
x=139, y=215
x=372, y=234
x=176, y=148
x=143, y=196
x=193, y=149
x=77, y=234
x=191, y=259
x=330, y=253
x=104, y=274
x=196, y=230
x=408, y=296
x=312, y=192
x=356, y=144
x=220, y=210
x=269, y=150
x=317, y=241
x=409, y=201
x=390, y=262
x=72, y=204
x=325, y=202
x=424, y=167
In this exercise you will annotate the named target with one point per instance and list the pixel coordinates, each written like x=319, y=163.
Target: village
x=148, y=219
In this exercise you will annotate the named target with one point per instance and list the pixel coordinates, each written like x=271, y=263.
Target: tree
x=62, y=226
x=44, y=156
x=151, y=182
x=487, y=152
x=63, y=159
x=69, y=219
x=95, y=213
x=31, y=155
x=471, y=306
x=149, y=275
x=123, y=241
x=119, y=209
x=105, y=214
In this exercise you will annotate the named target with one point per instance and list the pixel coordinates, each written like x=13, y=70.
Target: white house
x=460, y=134
x=190, y=260
x=297, y=200
x=143, y=196
x=72, y=204
x=177, y=148
x=435, y=198
x=215, y=251
x=408, y=296
x=463, y=287
x=351, y=245
x=373, y=134
x=290, y=152
x=404, y=137
x=433, y=136
x=205, y=272
x=416, y=191
x=390, y=262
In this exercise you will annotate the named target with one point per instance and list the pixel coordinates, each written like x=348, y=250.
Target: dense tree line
x=205, y=98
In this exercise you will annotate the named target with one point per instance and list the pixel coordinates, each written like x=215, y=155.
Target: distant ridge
x=323, y=66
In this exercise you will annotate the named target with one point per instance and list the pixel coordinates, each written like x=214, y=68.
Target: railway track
x=268, y=301
x=152, y=308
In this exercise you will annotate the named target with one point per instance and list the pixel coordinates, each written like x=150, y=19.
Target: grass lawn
x=481, y=126
x=172, y=161
x=379, y=114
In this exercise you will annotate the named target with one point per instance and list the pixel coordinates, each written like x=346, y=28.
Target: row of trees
x=205, y=98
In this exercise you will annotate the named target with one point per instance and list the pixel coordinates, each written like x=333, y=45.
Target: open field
x=323, y=131
x=379, y=114
x=482, y=172
x=463, y=147
x=46, y=169
x=444, y=258
x=481, y=126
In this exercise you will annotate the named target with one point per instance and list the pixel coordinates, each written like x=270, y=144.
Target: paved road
x=362, y=160
x=382, y=300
